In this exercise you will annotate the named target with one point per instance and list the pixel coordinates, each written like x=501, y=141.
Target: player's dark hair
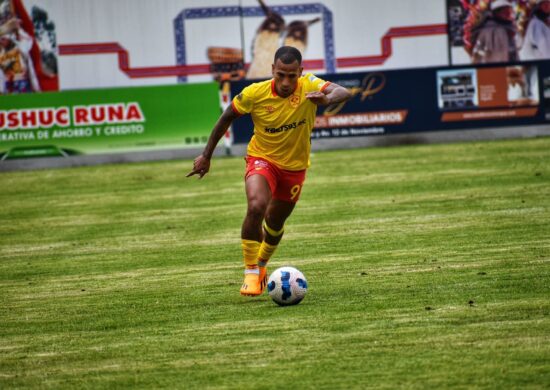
x=287, y=55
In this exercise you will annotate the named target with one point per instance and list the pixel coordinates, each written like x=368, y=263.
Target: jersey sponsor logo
x=286, y=127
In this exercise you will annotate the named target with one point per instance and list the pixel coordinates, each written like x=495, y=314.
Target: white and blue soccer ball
x=287, y=286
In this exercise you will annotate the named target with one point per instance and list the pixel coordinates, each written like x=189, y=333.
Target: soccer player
x=283, y=111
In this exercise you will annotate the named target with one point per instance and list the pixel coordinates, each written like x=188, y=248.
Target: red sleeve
x=324, y=86
x=235, y=109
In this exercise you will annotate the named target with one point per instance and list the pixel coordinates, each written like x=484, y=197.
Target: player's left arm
x=331, y=94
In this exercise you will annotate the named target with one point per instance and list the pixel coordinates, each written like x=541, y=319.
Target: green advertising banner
x=107, y=120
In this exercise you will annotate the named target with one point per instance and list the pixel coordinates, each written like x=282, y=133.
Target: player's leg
x=279, y=209
x=258, y=195
x=276, y=215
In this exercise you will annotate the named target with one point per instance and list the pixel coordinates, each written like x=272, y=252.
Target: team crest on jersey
x=294, y=101
x=269, y=109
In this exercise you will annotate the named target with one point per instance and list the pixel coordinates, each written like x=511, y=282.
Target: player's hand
x=201, y=166
x=318, y=98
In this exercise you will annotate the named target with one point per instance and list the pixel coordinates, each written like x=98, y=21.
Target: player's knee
x=275, y=220
x=256, y=208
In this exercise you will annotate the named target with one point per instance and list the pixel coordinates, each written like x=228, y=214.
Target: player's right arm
x=201, y=164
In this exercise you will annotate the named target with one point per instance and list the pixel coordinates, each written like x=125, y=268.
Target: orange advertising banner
x=492, y=87
x=489, y=114
x=395, y=117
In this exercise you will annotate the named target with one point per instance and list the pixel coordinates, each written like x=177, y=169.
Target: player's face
x=286, y=77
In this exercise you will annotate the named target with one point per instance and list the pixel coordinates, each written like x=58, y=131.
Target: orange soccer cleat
x=251, y=285
x=263, y=277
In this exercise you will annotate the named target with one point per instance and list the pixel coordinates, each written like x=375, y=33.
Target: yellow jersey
x=282, y=126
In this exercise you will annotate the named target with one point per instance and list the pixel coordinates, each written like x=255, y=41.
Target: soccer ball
x=287, y=286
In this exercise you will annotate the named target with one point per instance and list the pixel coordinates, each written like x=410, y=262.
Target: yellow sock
x=250, y=253
x=265, y=253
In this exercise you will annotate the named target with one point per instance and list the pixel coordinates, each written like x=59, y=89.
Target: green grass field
x=428, y=267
